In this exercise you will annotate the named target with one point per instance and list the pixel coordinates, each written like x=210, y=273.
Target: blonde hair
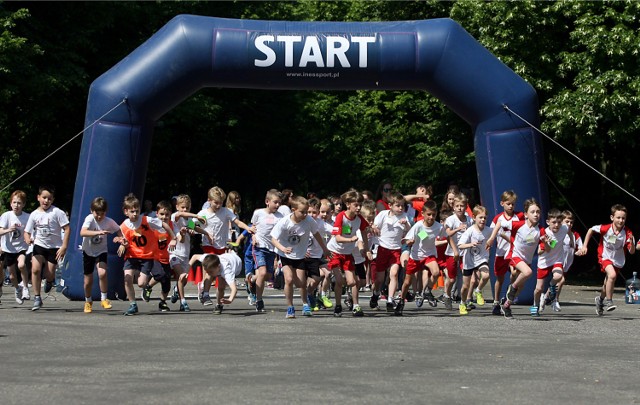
x=298, y=202
x=460, y=197
x=479, y=209
x=232, y=202
x=183, y=199
x=273, y=193
x=216, y=194
x=508, y=195
x=130, y=201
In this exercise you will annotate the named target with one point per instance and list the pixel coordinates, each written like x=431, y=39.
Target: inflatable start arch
x=193, y=52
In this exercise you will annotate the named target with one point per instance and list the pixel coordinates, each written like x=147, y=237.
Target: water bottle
x=633, y=289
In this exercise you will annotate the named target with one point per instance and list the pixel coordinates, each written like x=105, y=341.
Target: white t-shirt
x=48, y=227
x=183, y=248
x=424, y=238
x=569, y=252
x=294, y=235
x=284, y=210
x=556, y=254
x=612, y=244
x=453, y=222
x=391, y=230
x=524, y=239
x=324, y=229
x=217, y=224
x=264, y=223
x=475, y=256
x=94, y=246
x=13, y=242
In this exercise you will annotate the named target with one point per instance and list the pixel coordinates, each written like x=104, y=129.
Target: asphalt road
x=61, y=355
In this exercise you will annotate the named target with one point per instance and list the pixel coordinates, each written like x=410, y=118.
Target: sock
x=88, y=299
x=103, y=296
x=445, y=295
x=183, y=301
x=389, y=299
x=324, y=293
x=477, y=290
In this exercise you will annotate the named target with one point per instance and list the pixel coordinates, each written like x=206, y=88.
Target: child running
x=569, y=253
x=225, y=267
x=95, y=228
x=614, y=238
x=475, y=259
x=525, y=237
x=13, y=245
x=455, y=226
x=50, y=227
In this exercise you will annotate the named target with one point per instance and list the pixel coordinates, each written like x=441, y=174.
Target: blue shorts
x=264, y=257
x=249, y=267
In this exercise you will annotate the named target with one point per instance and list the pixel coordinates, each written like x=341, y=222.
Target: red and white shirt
x=524, y=240
x=612, y=243
x=556, y=242
x=347, y=228
x=502, y=245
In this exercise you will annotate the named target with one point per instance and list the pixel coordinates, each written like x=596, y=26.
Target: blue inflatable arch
x=192, y=52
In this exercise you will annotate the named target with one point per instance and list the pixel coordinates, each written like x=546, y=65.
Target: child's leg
x=337, y=274
x=497, y=288
x=560, y=285
x=523, y=272
x=482, y=275
x=431, y=274
x=467, y=294
x=261, y=276
x=408, y=280
x=37, y=264
x=289, y=276
x=353, y=282
x=464, y=289
x=609, y=282
x=88, y=284
x=103, y=281
x=128, y=285
x=300, y=281
x=143, y=280
x=393, y=281
x=537, y=293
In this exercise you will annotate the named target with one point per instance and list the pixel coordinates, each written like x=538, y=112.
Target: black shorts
x=142, y=265
x=12, y=258
x=293, y=263
x=89, y=262
x=469, y=272
x=361, y=271
x=311, y=266
x=48, y=254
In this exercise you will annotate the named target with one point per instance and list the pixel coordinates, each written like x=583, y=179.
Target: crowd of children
x=341, y=244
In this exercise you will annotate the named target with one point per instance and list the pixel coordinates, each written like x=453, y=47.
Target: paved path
x=61, y=355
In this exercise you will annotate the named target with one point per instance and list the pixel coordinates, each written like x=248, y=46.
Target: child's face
x=213, y=271
x=132, y=213
x=481, y=220
x=98, y=215
x=619, y=218
x=353, y=209
x=370, y=217
x=300, y=213
x=313, y=211
x=429, y=217
x=163, y=214
x=450, y=199
x=554, y=224
x=533, y=214
x=215, y=205
x=508, y=206
x=337, y=205
x=183, y=207
x=568, y=221
x=273, y=204
x=325, y=212
x=397, y=208
x=421, y=190
x=17, y=204
x=45, y=199
x=458, y=208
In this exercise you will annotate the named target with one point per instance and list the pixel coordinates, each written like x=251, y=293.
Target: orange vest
x=143, y=242
x=163, y=245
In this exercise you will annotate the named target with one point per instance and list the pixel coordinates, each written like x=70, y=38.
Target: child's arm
x=174, y=239
x=86, y=232
x=365, y=248
x=250, y=229
x=232, y=294
x=194, y=259
x=492, y=238
x=7, y=230
x=323, y=245
x=630, y=243
x=65, y=243
x=587, y=238
x=344, y=239
x=280, y=247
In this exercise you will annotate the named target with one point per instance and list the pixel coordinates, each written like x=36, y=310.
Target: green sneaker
x=326, y=301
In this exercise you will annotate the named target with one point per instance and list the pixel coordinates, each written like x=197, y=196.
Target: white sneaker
x=541, y=306
x=25, y=294
x=19, y=299
x=556, y=306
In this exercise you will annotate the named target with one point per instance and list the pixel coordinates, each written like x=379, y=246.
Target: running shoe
x=175, y=296
x=348, y=302
x=609, y=306
x=373, y=303
x=132, y=310
x=106, y=304
x=19, y=299
x=163, y=307
x=25, y=294
x=206, y=300
x=599, y=306
x=357, y=311
x=291, y=313
x=324, y=300
x=433, y=302
x=419, y=301
x=390, y=306
x=534, y=311
x=397, y=310
x=252, y=299
x=505, y=308
x=88, y=307
x=477, y=295
x=470, y=305
x=184, y=307
x=306, y=310
x=37, y=303
x=146, y=293
x=511, y=293
x=556, y=306
x=463, y=309
x=48, y=285
x=260, y=306
x=553, y=290
x=543, y=303
x=337, y=311
x=496, y=310
x=448, y=303
x=218, y=309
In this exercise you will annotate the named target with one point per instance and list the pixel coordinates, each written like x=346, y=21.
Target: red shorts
x=414, y=266
x=606, y=262
x=387, y=258
x=213, y=251
x=543, y=273
x=343, y=262
x=452, y=267
x=500, y=266
x=514, y=261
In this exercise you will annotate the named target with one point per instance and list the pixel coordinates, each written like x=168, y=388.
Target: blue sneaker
x=48, y=285
x=534, y=311
x=306, y=310
x=185, y=307
x=132, y=310
x=175, y=296
x=291, y=312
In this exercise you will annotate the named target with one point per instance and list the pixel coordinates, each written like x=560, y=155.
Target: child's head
x=568, y=218
x=233, y=202
x=326, y=209
x=480, y=215
x=99, y=208
x=396, y=202
x=532, y=211
x=299, y=208
x=183, y=203
x=367, y=195
x=131, y=207
x=459, y=204
x=426, y=191
x=216, y=197
x=618, y=216
x=508, y=201
x=211, y=264
x=444, y=214
x=368, y=211
x=314, y=207
x=285, y=196
x=17, y=201
x=352, y=200
x=163, y=211
x=46, y=195
x=554, y=219
x=273, y=200
x=429, y=212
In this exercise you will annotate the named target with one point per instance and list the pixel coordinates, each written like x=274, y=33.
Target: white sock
x=103, y=296
x=88, y=299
